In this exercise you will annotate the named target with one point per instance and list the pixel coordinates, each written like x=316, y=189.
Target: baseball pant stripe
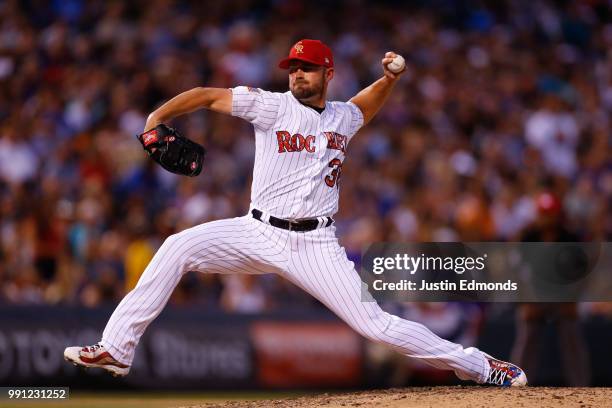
x=409, y=338
x=163, y=274
x=146, y=312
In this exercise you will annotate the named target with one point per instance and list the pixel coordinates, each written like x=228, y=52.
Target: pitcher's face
x=306, y=80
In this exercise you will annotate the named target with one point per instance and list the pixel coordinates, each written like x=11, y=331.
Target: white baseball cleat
x=505, y=374
x=95, y=356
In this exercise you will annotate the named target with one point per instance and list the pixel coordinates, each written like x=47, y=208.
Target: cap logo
x=326, y=60
x=299, y=48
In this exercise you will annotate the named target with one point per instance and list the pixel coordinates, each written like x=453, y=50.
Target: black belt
x=300, y=226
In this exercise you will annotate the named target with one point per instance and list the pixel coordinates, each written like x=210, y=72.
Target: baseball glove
x=172, y=151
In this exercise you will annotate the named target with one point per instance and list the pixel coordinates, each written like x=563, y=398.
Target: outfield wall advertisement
x=186, y=348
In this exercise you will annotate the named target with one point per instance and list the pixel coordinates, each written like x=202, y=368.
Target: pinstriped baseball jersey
x=298, y=151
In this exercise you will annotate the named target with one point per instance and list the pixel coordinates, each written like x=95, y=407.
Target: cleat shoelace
x=497, y=376
x=500, y=375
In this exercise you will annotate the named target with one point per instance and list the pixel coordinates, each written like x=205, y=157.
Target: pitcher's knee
x=388, y=329
x=375, y=327
x=170, y=243
x=177, y=247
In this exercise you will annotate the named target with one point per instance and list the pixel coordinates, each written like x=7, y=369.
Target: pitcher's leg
x=319, y=265
x=237, y=245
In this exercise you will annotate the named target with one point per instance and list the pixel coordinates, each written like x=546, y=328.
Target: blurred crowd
x=503, y=117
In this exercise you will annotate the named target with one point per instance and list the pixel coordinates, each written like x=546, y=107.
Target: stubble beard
x=306, y=93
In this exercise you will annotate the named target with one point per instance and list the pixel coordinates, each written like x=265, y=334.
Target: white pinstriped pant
x=312, y=260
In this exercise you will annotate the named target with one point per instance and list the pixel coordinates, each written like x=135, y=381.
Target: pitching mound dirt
x=438, y=397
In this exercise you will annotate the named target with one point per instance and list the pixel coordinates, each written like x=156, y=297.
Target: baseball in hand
x=397, y=65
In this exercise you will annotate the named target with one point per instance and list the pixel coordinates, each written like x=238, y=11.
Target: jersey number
x=333, y=177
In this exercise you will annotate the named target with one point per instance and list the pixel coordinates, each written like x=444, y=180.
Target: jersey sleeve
x=354, y=120
x=255, y=105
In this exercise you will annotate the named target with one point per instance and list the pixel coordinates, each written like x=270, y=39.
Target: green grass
x=146, y=399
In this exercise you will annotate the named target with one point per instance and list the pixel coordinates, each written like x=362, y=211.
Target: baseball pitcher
x=301, y=142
